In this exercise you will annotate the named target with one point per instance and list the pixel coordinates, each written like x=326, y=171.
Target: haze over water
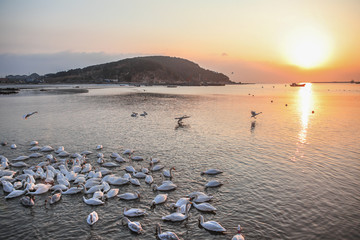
x=288, y=174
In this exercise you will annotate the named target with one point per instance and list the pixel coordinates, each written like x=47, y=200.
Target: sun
x=307, y=48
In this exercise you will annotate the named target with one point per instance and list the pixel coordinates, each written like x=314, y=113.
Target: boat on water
x=297, y=85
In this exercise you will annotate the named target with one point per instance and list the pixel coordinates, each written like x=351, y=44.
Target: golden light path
x=305, y=109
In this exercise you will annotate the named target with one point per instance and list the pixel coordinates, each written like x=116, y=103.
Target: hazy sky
x=248, y=40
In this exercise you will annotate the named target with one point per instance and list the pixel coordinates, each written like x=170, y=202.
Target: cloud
x=53, y=62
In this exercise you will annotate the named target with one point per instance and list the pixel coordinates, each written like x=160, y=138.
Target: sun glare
x=307, y=48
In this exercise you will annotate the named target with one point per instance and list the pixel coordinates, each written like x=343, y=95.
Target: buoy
x=313, y=111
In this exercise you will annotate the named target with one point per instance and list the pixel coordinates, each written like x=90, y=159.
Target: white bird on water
x=238, y=236
x=211, y=225
x=165, y=235
x=133, y=226
x=92, y=218
x=254, y=114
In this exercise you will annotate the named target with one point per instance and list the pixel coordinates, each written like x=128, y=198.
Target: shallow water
x=289, y=174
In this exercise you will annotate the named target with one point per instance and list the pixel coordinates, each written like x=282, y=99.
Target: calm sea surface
x=288, y=174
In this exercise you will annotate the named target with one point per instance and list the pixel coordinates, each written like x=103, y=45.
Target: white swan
x=21, y=158
x=180, y=202
x=19, y=164
x=63, y=154
x=27, y=201
x=165, y=186
x=110, y=164
x=213, y=183
x=133, y=226
x=156, y=167
x=128, y=151
x=165, y=235
x=92, y=218
x=35, y=148
x=74, y=190
x=60, y=149
x=160, y=198
x=176, y=216
x=61, y=187
x=238, y=236
x=200, y=197
x=137, y=158
x=139, y=175
x=99, y=147
x=168, y=173
x=149, y=179
x=117, y=180
x=134, y=212
x=54, y=198
x=98, y=194
x=205, y=207
x=13, y=146
x=15, y=193
x=7, y=186
x=93, y=201
x=211, y=172
x=35, y=155
x=129, y=196
x=40, y=189
x=120, y=159
x=46, y=149
x=130, y=169
x=115, y=155
x=112, y=193
x=85, y=153
x=211, y=225
x=134, y=181
x=32, y=143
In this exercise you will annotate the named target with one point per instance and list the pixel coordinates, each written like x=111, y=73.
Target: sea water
x=291, y=173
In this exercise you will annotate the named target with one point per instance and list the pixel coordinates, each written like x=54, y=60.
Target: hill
x=142, y=70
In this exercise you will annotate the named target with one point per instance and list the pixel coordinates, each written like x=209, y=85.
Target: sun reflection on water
x=305, y=106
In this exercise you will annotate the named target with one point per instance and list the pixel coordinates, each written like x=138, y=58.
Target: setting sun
x=307, y=48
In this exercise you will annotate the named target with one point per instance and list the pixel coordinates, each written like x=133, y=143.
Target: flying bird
x=181, y=118
x=29, y=114
x=254, y=114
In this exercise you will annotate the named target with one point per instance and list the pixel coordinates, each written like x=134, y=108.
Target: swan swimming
x=238, y=236
x=160, y=198
x=168, y=173
x=166, y=186
x=92, y=218
x=93, y=201
x=211, y=225
x=165, y=235
x=129, y=196
x=205, y=207
x=213, y=183
x=54, y=198
x=134, y=212
x=211, y=172
x=177, y=216
x=27, y=201
x=133, y=226
x=149, y=179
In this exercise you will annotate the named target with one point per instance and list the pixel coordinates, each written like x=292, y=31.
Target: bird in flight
x=181, y=118
x=29, y=114
x=254, y=114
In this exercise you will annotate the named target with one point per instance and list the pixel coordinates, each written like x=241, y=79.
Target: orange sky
x=250, y=41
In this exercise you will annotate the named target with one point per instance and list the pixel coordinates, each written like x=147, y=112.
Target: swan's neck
x=201, y=219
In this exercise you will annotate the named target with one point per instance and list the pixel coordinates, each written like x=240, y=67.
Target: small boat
x=297, y=85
